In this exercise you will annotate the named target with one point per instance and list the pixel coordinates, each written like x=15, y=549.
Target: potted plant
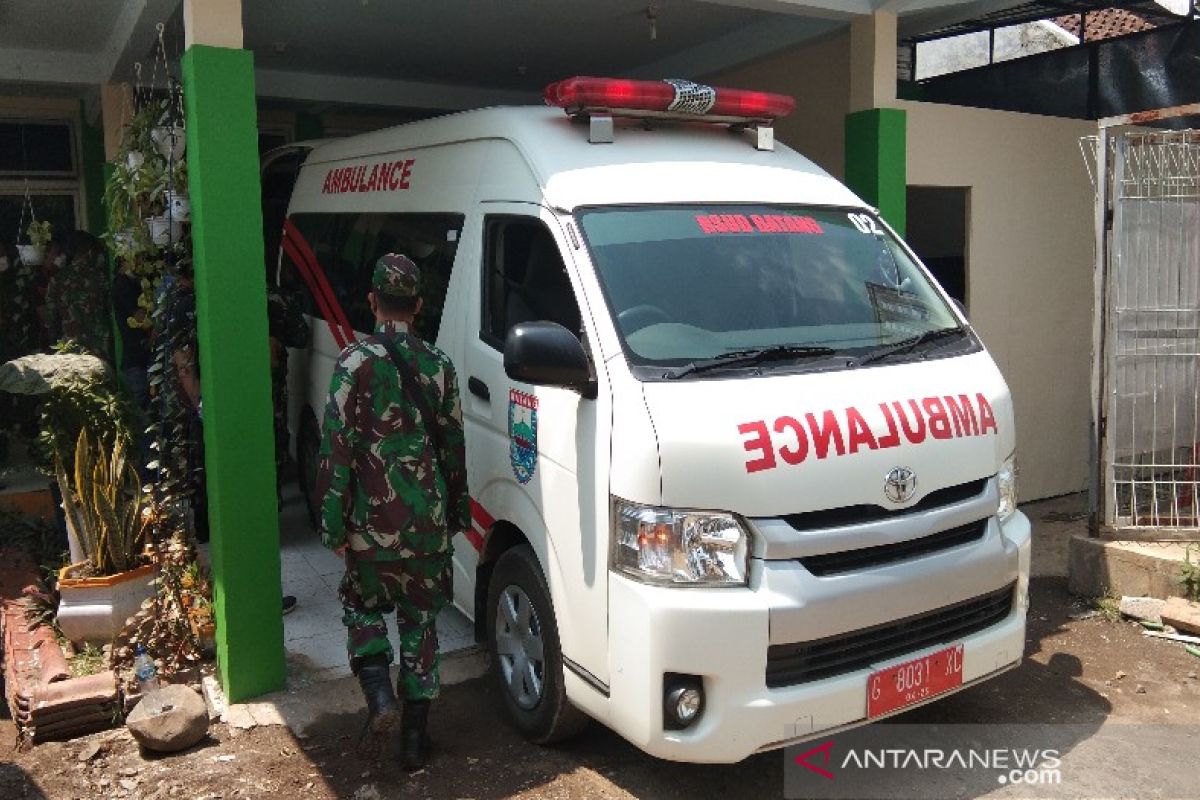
x=106, y=506
x=146, y=194
x=34, y=253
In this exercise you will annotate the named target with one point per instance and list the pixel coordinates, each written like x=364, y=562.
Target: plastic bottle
x=144, y=670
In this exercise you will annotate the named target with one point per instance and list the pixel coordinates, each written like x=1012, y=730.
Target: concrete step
x=1099, y=567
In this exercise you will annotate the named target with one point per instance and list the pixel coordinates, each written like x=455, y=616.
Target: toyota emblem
x=900, y=485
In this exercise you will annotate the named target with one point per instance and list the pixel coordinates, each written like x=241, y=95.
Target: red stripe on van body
x=481, y=516
x=474, y=538
x=482, y=523
x=315, y=289
x=301, y=243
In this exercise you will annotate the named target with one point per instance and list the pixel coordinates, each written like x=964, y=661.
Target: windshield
x=765, y=286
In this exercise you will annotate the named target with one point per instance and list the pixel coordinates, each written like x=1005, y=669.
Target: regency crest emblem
x=900, y=484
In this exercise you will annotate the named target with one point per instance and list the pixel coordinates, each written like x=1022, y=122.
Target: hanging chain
x=27, y=201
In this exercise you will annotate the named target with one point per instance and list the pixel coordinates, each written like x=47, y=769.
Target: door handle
x=478, y=388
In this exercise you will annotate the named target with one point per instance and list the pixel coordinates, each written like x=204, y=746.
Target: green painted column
x=877, y=161
x=231, y=305
x=91, y=141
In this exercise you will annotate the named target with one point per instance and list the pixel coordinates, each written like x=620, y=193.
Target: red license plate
x=914, y=681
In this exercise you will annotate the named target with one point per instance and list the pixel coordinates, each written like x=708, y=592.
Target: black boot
x=415, y=735
x=382, y=713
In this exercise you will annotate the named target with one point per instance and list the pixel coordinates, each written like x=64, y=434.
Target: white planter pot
x=179, y=206
x=163, y=231
x=169, y=142
x=32, y=255
x=95, y=609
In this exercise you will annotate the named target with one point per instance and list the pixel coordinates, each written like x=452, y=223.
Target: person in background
x=393, y=487
x=177, y=409
x=77, y=296
x=288, y=329
x=20, y=335
x=132, y=325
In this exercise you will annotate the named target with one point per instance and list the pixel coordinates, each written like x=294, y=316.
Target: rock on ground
x=169, y=719
x=1183, y=614
x=1147, y=608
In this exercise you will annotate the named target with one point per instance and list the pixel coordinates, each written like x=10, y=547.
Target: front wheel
x=526, y=657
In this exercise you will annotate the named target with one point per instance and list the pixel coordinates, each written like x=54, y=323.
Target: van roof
x=649, y=161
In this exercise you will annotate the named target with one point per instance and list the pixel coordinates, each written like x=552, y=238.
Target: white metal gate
x=1149, y=333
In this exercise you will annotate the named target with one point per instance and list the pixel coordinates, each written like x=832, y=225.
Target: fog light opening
x=683, y=700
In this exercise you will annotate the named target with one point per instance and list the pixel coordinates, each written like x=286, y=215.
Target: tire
x=536, y=700
x=308, y=444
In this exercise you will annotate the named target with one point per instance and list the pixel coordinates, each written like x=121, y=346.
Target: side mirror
x=547, y=354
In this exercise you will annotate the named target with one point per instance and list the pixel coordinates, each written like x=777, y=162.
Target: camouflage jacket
x=385, y=492
x=77, y=302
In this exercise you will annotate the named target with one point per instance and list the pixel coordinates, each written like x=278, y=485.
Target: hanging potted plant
x=169, y=141
x=105, y=504
x=33, y=254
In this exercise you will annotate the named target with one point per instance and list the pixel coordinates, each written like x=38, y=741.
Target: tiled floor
x=313, y=633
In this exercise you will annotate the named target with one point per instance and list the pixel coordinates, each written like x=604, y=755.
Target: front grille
x=791, y=664
x=863, y=557
x=856, y=515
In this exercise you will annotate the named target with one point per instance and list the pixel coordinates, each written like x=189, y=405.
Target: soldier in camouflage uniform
x=77, y=297
x=392, y=479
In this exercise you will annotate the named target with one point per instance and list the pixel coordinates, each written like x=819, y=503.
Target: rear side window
x=524, y=279
x=348, y=245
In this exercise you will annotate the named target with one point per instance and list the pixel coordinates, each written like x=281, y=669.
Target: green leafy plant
x=1189, y=576
x=106, y=506
x=86, y=662
x=79, y=404
x=40, y=233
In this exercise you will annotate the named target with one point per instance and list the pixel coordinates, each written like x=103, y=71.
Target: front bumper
x=723, y=636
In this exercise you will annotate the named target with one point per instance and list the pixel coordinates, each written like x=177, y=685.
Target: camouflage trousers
x=415, y=590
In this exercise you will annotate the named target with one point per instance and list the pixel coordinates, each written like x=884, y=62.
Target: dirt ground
x=1074, y=658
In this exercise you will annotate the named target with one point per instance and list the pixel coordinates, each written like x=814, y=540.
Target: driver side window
x=524, y=279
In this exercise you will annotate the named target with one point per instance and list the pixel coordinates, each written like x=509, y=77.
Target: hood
x=783, y=444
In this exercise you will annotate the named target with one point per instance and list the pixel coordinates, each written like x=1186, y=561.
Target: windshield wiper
x=912, y=342
x=751, y=356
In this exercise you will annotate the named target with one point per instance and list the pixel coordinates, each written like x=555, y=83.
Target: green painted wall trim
x=877, y=161
x=231, y=304
x=308, y=126
x=91, y=145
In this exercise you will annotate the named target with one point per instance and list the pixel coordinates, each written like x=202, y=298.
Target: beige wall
x=1029, y=238
x=1029, y=268
x=817, y=74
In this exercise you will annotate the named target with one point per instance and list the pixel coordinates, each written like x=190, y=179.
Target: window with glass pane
x=42, y=148
x=696, y=282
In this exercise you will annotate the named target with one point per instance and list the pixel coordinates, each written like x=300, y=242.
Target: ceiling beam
x=383, y=92
x=135, y=37
x=754, y=41
x=49, y=66
x=923, y=19
x=821, y=9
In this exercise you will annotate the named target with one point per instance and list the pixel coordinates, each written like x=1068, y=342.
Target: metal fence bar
x=1148, y=290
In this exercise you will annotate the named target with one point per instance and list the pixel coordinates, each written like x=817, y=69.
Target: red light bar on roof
x=676, y=97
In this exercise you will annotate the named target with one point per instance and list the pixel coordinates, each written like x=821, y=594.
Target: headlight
x=678, y=548
x=1006, y=481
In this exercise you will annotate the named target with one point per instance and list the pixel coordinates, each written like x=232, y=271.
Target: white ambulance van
x=741, y=472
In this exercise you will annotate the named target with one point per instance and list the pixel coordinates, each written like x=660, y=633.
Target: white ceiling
x=433, y=53
x=76, y=26
x=514, y=44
